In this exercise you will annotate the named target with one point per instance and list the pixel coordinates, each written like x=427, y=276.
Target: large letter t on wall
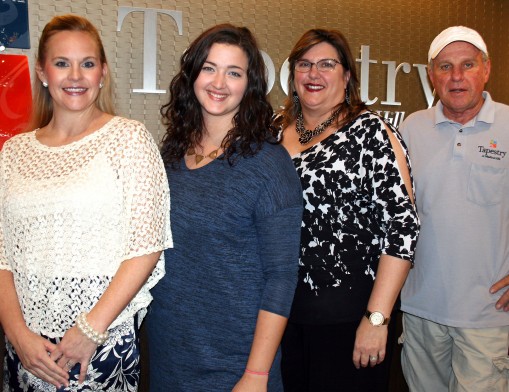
x=149, y=43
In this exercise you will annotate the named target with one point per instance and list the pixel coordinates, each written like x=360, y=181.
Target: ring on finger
x=69, y=365
x=373, y=358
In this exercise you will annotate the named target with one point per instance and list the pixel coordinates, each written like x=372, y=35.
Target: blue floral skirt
x=114, y=367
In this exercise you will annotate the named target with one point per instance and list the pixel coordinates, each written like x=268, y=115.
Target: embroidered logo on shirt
x=491, y=152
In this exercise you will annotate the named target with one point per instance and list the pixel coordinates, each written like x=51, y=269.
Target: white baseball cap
x=453, y=34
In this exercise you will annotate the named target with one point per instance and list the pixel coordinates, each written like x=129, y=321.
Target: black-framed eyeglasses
x=324, y=65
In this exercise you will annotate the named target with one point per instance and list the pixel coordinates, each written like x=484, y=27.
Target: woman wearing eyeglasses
x=359, y=226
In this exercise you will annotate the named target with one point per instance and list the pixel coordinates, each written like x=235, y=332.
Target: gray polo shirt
x=461, y=177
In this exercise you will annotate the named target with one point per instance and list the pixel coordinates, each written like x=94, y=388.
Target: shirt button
x=461, y=130
x=458, y=144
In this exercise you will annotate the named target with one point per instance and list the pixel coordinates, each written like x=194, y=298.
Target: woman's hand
x=251, y=383
x=35, y=354
x=31, y=348
x=370, y=342
x=74, y=348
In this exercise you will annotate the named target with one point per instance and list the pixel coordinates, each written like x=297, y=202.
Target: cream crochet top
x=70, y=215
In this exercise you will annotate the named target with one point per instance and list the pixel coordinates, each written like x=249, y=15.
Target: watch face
x=376, y=318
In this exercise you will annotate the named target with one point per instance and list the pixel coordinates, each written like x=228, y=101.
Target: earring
x=295, y=98
x=45, y=84
x=347, y=96
x=101, y=85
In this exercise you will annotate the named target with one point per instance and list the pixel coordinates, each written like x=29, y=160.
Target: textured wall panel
x=396, y=30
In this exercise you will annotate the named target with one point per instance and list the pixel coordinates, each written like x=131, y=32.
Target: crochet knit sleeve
x=146, y=209
x=146, y=195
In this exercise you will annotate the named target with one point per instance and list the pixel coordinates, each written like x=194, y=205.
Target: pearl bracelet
x=87, y=330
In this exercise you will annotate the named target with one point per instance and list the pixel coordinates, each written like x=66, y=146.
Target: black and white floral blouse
x=356, y=208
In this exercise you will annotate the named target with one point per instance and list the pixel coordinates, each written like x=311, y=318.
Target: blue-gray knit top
x=236, y=233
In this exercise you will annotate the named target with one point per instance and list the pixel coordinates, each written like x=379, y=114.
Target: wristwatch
x=376, y=318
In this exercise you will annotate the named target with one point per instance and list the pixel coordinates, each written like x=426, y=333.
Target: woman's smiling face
x=222, y=81
x=321, y=90
x=73, y=70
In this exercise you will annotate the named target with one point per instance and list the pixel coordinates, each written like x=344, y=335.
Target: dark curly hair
x=309, y=39
x=182, y=115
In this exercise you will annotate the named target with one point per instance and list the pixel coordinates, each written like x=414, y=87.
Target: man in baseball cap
x=456, y=298
x=453, y=34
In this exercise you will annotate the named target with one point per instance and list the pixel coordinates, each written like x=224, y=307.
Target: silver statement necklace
x=305, y=135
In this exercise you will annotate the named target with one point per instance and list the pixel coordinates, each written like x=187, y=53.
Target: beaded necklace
x=305, y=135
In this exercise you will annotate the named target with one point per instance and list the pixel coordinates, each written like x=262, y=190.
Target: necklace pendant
x=198, y=157
x=305, y=138
x=213, y=154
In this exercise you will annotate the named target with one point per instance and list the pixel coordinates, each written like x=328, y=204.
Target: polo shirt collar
x=486, y=114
